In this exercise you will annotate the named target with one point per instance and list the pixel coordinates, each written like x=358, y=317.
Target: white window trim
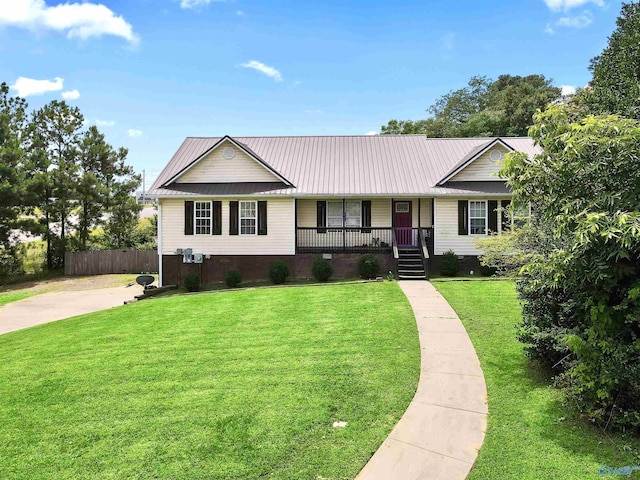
x=408, y=210
x=486, y=219
x=196, y=218
x=240, y=218
x=343, y=207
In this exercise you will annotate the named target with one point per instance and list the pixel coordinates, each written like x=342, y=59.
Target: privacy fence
x=110, y=261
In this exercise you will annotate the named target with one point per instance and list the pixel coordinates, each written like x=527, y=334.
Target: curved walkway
x=442, y=430
x=49, y=307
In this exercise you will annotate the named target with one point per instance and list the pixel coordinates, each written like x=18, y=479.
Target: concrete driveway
x=49, y=307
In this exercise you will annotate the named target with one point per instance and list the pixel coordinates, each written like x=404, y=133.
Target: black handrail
x=344, y=239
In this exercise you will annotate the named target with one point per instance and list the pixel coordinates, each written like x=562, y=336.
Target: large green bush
x=581, y=280
x=278, y=272
x=322, y=270
x=368, y=266
x=449, y=264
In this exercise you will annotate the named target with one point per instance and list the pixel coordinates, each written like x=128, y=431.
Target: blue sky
x=150, y=73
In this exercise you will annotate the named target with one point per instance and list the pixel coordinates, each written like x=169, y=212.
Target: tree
x=615, y=87
x=12, y=124
x=486, y=108
x=56, y=130
x=581, y=283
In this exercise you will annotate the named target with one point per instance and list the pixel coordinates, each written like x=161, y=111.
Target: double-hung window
x=202, y=218
x=477, y=217
x=351, y=215
x=248, y=217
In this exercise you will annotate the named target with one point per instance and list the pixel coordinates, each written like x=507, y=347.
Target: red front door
x=402, y=222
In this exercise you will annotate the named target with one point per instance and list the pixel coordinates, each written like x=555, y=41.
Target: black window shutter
x=366, y=216
x=233, y=218
x=262, y=218
x=505, y=214
x=188, y=217
x=463, y=224
x=217, y=218
x=322, y=216
x=492, y=205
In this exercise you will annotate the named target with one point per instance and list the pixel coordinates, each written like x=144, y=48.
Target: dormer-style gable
x=228, y=161
x=481, y=164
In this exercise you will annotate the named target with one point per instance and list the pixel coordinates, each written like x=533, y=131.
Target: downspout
x=160, y=283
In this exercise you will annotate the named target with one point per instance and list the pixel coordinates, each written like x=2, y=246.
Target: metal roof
x=344, y=165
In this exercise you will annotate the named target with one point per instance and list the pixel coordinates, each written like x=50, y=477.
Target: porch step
x=410, y=266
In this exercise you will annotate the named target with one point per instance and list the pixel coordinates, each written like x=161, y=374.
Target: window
x=248, y=218
x=202, y=218
x=402, y=207
x=352, y=214
x=477, y=217
x=334, y=214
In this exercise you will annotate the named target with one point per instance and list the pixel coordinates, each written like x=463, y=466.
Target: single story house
x=240, y=203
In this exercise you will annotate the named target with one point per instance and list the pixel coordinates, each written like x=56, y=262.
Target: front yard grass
x=235, y=385
x=530, y=434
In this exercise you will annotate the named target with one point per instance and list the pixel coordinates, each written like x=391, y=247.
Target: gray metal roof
x=345, y=165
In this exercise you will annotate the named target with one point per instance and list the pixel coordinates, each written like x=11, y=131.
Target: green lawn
x=233, y=385
x=530, y=435
x=14, y=296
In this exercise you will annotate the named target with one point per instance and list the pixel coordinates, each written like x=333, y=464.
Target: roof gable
x=479, y=153
x=213, y=166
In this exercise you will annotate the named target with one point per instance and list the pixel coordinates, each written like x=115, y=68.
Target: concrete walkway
x=49, y=307
x=442, y=430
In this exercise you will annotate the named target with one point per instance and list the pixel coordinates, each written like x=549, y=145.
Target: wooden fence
x=110, y=261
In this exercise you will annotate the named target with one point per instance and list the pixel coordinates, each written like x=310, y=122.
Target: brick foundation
x=255, y=267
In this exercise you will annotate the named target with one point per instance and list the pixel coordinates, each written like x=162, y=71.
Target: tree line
x=62, y=182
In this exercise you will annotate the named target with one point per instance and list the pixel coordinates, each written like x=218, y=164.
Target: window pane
x=477, y=226
x=354, y=210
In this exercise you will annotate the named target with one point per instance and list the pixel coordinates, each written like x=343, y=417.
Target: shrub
x=232, y=278
x=368, y=266
x=322, y=270
x=487, y=270
x=449, y=264
x=278, y=272
x=192, y=282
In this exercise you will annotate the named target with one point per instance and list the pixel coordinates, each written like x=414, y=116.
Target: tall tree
x=615, y=87
x=485, y=107
x=12, y=124
x=121, y=206
x=56, y=138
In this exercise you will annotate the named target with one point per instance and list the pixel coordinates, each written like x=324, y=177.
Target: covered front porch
x=351, y=225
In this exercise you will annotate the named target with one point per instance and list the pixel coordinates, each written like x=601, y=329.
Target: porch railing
x=348, y=239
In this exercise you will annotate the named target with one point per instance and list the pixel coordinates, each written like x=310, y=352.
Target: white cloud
x=577, y=21
x=240, y=13
x=567, y=89
x=105, y=123
x=79, y=20
x=132, y=132
x=262, y=68
x=314, y=112
x=29, y=86
x=371, y=133
x=71, y=94
x=196, y=3
x=566, y=5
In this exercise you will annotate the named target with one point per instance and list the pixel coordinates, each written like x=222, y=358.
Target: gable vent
x=228, y=153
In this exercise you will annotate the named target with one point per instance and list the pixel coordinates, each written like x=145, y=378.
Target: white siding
x=446, y=228
x=482, y=168
x=214, y=168
x=425, y=212
x=280, y=238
